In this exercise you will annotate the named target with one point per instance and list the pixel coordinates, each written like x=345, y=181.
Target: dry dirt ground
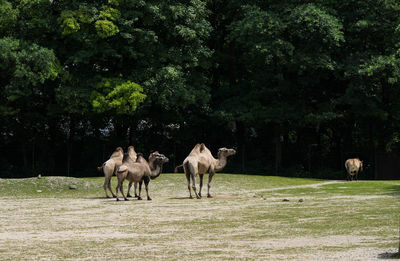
x=246, y=219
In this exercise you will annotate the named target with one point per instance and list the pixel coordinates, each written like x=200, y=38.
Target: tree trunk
x=23, y=150
x=33, y=155
x=241, y=141
x=120, y=130
x=278, y=148
x=372, y=151
x=69, y=144
x=132, y=133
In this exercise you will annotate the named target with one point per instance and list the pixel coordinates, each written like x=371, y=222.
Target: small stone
x=285, y=199
x=301, y=200
x=72, y=187
x=39, y=176
x=38, y=191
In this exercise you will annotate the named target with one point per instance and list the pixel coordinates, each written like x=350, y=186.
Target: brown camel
x=200, y=161
x=353, y=166
x=109, y=168
x=139, y=171
x=152, y=167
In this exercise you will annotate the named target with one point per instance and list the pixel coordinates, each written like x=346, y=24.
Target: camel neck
x=156, y=171
x=151, y=164
x=221, y=163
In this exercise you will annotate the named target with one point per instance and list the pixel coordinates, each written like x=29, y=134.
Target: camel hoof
x=128, y=196
x=117, y=199
x=139, y=198
x=191, y=197
x=126, y=199
x=209, y=196
x=108, y=196
x=148, y=198
x=136, y=196
x=114, y=196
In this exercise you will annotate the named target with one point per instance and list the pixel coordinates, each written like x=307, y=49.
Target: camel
x=152, y=167
x=353, y=166
x=200, y=161
x=109, y=168
x=139, y=171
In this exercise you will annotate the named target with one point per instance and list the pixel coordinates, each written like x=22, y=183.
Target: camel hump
x=122, y=168
x=202, y=147
x=353, y=164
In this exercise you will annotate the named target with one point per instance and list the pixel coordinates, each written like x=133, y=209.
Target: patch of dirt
x=301, y=186
x=171, y=227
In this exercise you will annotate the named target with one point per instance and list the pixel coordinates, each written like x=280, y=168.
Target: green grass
x=246, y=219
x=93, y=187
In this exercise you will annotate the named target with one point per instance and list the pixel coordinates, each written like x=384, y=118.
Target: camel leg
x=135, y=185
x=146, y=183
x=356, y=176
x=109, y=187
x=140, y=190
x=128, y=195
x=194, y=184
x=210, y=176
x=105, y=186
x=121, y=188
x=201, y=183
x=117, y=188
x=188, y=182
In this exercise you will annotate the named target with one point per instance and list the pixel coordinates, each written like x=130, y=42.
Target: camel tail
x=177, y=167
x=100, y=168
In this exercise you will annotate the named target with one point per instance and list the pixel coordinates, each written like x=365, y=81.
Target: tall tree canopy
x=293, y=85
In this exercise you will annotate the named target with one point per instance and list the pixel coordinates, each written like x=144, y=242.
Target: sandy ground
x=225, y=227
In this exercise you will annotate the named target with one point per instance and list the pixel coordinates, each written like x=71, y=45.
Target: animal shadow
x=387, y=255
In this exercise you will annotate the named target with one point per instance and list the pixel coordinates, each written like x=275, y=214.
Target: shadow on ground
x=387, y=255
x=394, y=191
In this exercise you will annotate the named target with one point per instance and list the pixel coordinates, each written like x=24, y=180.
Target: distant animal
x=200, y=161
x=353, y=166
x=139, y=171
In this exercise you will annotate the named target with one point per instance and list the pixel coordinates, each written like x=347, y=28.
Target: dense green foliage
x=295, y=86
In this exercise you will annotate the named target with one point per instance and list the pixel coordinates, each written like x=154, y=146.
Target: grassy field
x=250, y=217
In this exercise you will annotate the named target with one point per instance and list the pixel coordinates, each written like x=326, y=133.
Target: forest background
x=295, y=86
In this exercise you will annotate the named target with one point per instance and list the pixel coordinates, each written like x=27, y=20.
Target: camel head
x=158, y=157
x=163, y=159
x=157, y=161
x=224, y=152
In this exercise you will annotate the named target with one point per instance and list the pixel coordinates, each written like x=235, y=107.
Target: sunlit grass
x=247, y=219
